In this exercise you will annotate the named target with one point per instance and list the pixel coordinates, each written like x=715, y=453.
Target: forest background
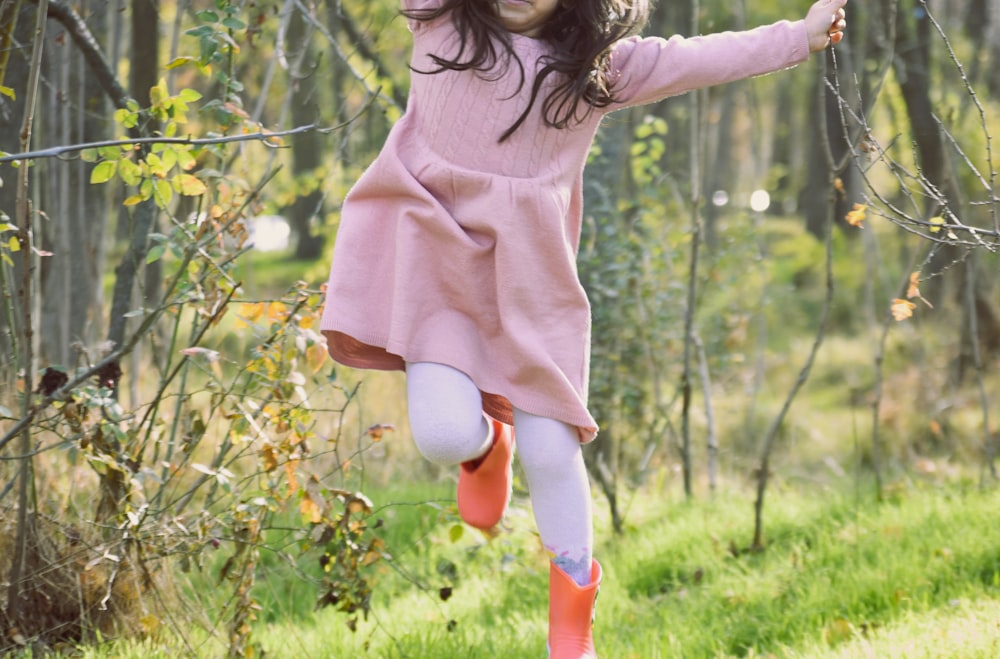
x=792, y=279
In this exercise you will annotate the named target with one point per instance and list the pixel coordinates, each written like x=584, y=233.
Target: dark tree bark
x=667, y=19
x=77, y=212
x=829, y=151
x=144, y=74
x=307, y=149
x=16, y=21
x=982, y=24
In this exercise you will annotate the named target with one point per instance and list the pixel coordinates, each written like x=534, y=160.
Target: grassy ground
x=917, y=575
x=843, y=575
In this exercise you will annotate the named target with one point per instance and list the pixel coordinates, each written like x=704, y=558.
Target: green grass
x=837, y=574
x=914, y=576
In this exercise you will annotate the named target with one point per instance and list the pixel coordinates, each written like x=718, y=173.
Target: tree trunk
x=16, y=21
x=829, y=149
x=307, y=149
x=944, y=195
x=77, y=211
x=993, y=39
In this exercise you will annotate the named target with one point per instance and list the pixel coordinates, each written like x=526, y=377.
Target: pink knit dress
x=456, y=249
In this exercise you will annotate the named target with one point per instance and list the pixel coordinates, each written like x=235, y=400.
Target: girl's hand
x=825, y=23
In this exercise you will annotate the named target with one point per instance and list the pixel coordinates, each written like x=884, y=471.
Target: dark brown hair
x=581, y=33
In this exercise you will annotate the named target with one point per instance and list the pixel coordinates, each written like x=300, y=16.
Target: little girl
x=455, y=256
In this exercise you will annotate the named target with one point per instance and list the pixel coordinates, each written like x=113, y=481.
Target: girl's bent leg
x=446, y=414
x=552, y=459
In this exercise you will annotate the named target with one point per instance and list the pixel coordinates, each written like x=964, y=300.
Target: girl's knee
x=449, y=438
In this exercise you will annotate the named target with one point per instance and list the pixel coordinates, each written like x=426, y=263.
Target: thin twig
x=263, y=136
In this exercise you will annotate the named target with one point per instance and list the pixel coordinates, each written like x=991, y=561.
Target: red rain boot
x=571, y=614
x=484, y=484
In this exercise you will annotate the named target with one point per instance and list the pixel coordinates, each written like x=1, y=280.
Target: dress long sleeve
x=649, y=69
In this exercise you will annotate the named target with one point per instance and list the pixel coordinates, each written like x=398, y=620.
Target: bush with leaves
x=238, y=424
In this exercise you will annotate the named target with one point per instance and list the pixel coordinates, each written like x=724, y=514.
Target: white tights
x=448, y=426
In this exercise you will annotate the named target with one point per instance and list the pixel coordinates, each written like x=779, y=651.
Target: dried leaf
x=914, y=289
x=902, y=309
x=856, y=217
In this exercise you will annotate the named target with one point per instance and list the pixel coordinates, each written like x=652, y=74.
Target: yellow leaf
x=311, y=512
x=316, y=356
x=276, y=311
x=902, y=309
x=856, y=217
x=189, y=186
x=936, y=223
x=250, y=312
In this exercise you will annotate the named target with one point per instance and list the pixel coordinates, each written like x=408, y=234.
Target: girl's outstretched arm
x=825, y=23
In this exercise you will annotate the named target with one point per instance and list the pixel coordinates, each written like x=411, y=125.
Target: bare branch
x=262, y=136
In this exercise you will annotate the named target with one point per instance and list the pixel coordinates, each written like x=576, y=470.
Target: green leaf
x=156, y=165
x=200, y=31
x=168, y=159
x=155, y=253
x=129, y=172
x=234, y=23
x=88, y=155
x=185, y=159
x=104, y=171
x=189, y=95
x=109, y=152
x=208, y=16
x=127, y=117
x=164, y=193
